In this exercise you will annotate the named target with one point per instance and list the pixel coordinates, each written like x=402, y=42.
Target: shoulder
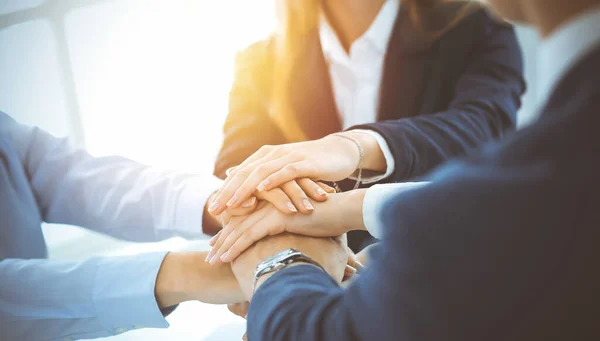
x=468, y=16
x=257, y=55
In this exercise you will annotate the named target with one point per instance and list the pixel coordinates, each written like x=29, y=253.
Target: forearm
x=300, y=303
x=186, y=276
x=42, y=299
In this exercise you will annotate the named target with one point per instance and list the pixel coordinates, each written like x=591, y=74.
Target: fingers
x=353, y=261
x=244, y=182
x=239, y=309
x=278, y=198
x=289, y=172
x=349, y=272
x=231, y=233
x=245, y=208
x=251, y=235
x=214, y=239
x=218, y=206
x=298, y=196
x=327, y=188
x=314, y=190
x=256, y=178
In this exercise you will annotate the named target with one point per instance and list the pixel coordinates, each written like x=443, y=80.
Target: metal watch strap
x=296, y=257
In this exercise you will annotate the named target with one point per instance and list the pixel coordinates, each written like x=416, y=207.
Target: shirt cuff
x=190, y=206
x=124, y=293
x=374, y=201
x=387, y=153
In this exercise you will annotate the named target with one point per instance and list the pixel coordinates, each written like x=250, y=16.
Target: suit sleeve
x=485, y=259
x=248, y=125
x=484, y=106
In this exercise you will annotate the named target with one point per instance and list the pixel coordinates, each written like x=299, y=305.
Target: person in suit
x=429, y=80
x=510, y=251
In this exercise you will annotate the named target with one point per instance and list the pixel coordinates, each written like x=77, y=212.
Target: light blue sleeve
x=61, y=300
x=112, y=195
x=377, y=196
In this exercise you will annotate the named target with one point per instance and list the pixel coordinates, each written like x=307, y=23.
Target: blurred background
x=147, y=79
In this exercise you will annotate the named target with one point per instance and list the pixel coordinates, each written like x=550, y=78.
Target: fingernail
x=359, y=265
x=249, y=203
x=233, y=201
x=307, y=205
x=321, y=192
x=350, y=269
x=209, y=256
x=263, y=185
x=291, y=207
x=213, y=207
x=213, y=260
x=225, y=257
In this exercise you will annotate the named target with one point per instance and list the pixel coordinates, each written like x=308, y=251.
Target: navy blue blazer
x=511, y=252
x=439, y=98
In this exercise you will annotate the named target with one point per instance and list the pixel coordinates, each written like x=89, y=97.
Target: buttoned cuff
x=123, y=293
x=191, y=203
x=374, y=201
x=387, y=153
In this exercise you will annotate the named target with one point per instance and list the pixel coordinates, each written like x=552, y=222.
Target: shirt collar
x=378, y=34
x=563, y=49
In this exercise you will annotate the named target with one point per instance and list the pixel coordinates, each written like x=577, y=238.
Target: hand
x=183, y=276
x=330, y=253
x=332, y=158
x=290, y=198
x=363, y=256
x=296, y=195
x=241, y=310
x=340, y=214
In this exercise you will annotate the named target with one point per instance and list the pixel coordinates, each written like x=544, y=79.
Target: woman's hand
x=295, y=195
x=340, y=214
x=289, y=198
x=331, y=158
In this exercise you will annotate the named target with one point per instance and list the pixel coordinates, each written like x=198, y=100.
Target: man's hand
x=184, y=276
x=330, y=253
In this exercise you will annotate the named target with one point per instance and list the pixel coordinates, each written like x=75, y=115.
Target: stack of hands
x=270, y=203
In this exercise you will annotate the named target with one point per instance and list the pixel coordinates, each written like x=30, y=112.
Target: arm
x=48, y=300
x=112, y=194
x=248, y=125
x=488, y=255
x=484, y=107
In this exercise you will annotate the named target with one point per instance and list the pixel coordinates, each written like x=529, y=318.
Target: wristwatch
x=279, y=262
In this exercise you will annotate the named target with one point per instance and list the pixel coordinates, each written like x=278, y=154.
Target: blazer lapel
x=312, y=94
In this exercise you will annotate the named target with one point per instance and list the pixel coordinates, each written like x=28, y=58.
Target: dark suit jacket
x=439, y=98
x=511, y=252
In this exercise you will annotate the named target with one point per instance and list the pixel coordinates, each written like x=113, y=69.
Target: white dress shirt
x=356, y=76
x=559, y=53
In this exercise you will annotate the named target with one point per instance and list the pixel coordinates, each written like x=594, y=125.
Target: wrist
x=374, y=159
x=265, y=277
x=348, y=208
x=185, y=276
x=170, y=288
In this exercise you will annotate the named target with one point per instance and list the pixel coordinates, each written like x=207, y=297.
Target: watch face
x=278, y=258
